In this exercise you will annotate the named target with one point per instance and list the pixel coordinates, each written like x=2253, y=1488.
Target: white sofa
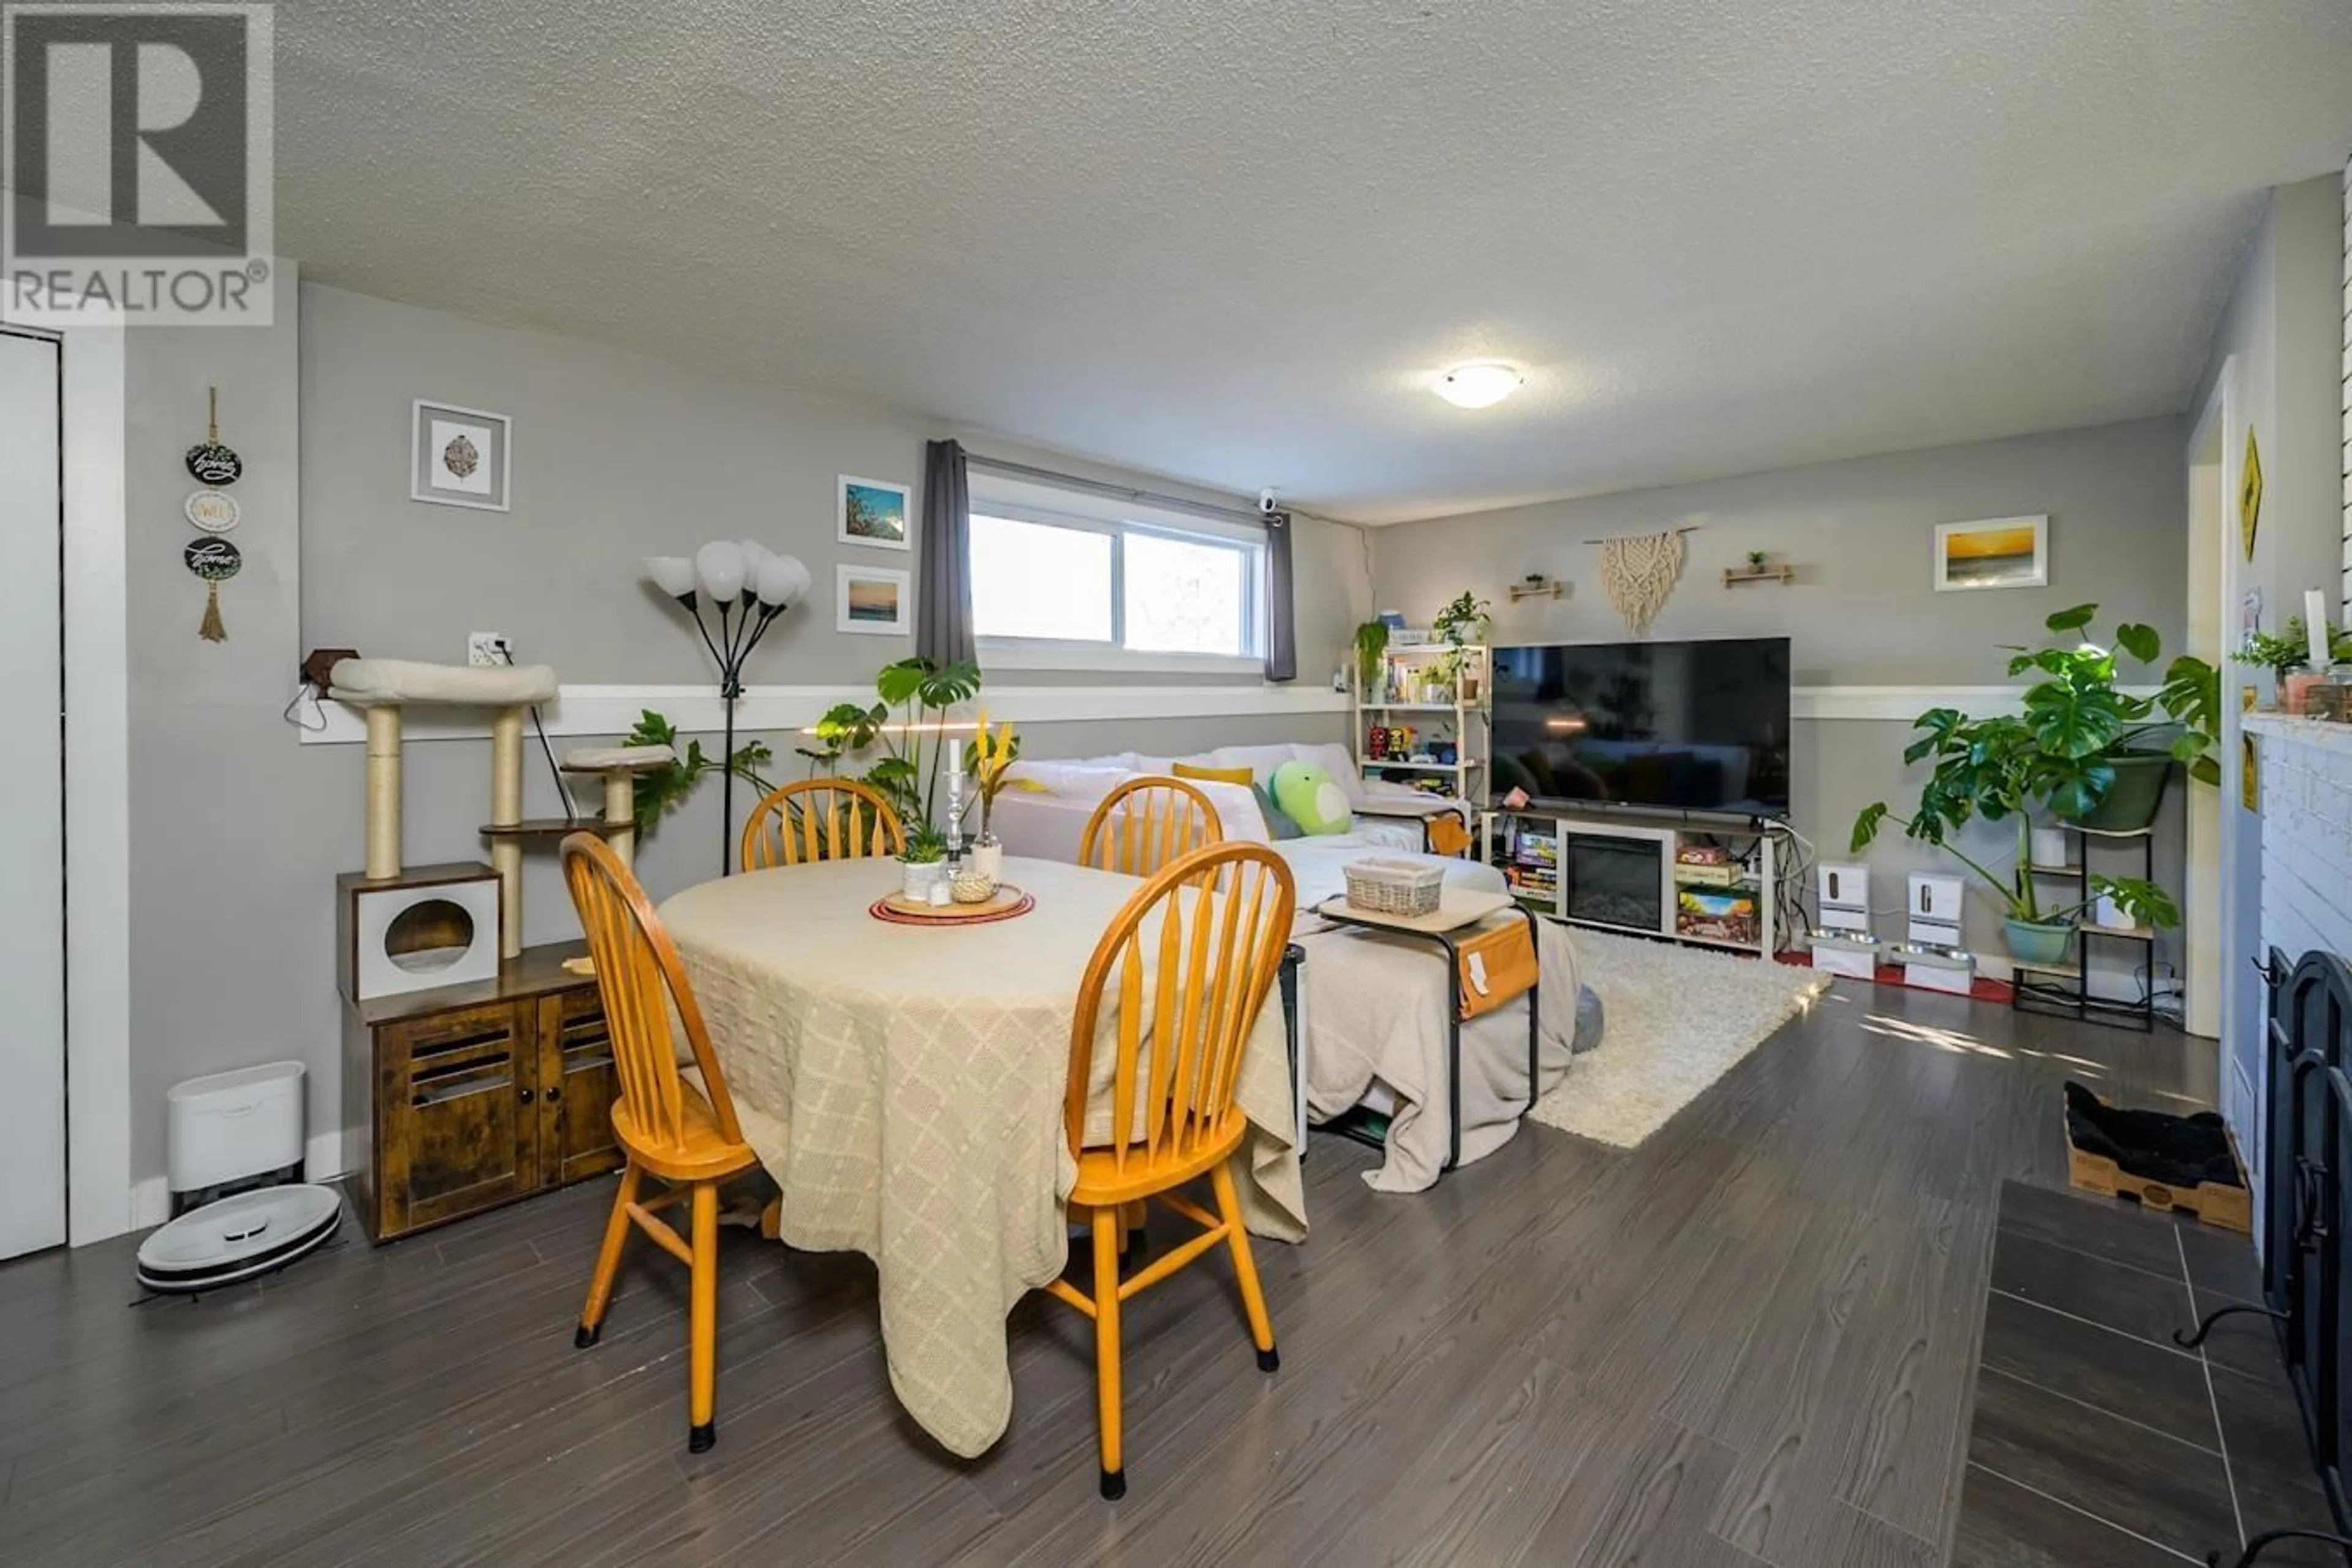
x=1049, y=824
x=1373, y=1006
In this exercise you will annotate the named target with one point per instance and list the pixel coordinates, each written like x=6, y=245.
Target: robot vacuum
x=238, y=1237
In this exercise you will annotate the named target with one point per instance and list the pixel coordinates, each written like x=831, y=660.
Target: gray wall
x=226, y=951
x=617, y=457
x=1863, y=610
x=239, y=830
x=2282, y=328
x=1860, y=534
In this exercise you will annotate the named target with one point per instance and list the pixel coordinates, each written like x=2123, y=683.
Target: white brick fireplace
x=2305, y=800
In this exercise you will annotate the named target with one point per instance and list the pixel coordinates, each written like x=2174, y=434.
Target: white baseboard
x=322, y=1160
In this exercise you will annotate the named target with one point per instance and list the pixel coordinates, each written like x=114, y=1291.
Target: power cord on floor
x=563, y=795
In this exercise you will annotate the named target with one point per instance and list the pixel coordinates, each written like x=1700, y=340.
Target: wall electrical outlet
x=482, y=648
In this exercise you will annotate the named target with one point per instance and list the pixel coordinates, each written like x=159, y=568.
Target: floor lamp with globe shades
x=750, y=585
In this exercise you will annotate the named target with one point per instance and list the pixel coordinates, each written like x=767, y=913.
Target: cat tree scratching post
x=384, y=687
x=506, y=811
x=620, y=766
x=383, y=792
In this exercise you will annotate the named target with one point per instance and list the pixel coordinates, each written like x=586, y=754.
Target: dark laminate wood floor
x=2098, y=1441
x=1750, y=1342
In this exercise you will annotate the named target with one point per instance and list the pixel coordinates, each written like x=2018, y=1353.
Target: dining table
x=905, y=1086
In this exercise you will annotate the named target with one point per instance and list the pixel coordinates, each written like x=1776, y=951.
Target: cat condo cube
x=411, y=929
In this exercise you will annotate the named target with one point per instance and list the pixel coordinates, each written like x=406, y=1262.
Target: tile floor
x=2097, y=1441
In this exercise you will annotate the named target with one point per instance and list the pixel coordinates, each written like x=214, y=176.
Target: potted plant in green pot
x=2113, y=751
x=1990, y=768
x=2076, y=735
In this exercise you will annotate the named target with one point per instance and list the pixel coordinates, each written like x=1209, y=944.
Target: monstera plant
x=2077, y=739
x=907, y=773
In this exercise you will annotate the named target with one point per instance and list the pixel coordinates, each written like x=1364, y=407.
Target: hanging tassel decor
x=1639, y=573
x=215, y=560
x=209, y=460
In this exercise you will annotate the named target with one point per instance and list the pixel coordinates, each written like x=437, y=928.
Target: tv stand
x=1628, y=873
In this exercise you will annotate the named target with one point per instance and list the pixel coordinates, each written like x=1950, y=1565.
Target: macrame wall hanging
x=1639, y=573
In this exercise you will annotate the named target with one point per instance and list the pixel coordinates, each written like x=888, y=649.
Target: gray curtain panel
x=1281, y=613
x=943, y=610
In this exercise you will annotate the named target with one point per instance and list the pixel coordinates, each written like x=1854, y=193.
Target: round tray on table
x=1008, y=902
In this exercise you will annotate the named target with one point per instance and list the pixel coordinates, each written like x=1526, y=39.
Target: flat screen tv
x=1664, y=726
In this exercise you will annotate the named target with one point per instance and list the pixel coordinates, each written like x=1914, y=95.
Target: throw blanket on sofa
x=1376, y=1009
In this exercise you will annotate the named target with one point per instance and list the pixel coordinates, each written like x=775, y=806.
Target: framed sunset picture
x=1998, y=552
x=873, y=600
x=872, y=511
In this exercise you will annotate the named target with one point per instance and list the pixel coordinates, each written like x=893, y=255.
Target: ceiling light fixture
x=1478, y=384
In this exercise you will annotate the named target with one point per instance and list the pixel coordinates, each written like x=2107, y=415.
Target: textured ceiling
x=1229, y=242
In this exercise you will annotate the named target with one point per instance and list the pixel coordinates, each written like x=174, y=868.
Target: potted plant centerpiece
x=2076, y=735
x=989, y=760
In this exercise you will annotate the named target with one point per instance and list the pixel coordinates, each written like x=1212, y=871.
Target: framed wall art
x=460, y=457
x=1998, y=552
x=873, y=513
x=874, y=600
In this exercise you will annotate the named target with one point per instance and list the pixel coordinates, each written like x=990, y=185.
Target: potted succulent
x=922, y=863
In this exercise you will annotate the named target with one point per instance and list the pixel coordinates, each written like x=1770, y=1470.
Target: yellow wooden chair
x=819, y=819
x=667, y=1129
x=1146, y=822
x=1214, y=924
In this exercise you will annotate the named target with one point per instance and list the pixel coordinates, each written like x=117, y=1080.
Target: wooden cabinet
x=473, y=1096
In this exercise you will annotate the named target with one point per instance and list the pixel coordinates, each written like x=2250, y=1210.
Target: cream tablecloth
x=905, y=1087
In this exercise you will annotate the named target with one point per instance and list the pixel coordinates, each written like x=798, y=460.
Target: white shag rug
x=1674, y=1020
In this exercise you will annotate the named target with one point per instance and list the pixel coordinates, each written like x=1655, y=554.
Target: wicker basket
x=1394, y=886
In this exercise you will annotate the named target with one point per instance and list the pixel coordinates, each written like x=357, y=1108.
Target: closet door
x=32, y=804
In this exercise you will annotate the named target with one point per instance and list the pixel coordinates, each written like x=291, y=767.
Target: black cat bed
x=2166, y=1162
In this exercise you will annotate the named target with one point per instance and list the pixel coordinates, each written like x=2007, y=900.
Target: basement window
x=1066, y=580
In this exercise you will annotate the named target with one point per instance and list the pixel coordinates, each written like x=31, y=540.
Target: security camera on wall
x=1267, y=505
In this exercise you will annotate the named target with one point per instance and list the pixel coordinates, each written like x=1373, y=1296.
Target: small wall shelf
x=1547, y=589
x=1733, y=576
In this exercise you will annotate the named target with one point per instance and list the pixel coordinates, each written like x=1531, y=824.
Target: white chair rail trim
x=695, y=709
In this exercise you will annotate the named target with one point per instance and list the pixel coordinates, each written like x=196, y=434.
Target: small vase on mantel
x=988, y=856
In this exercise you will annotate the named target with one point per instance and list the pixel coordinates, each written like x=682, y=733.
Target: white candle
x=2314, y=625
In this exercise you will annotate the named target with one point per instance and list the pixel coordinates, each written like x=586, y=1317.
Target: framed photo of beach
x=1998, y=552
x=872, y=512
x=874, y=600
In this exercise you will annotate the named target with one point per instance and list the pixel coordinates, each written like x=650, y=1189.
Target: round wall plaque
x=215, y=512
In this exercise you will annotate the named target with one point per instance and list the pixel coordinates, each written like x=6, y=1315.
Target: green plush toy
x=1310, y=797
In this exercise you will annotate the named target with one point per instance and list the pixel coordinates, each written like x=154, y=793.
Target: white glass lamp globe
x=672, y=574
x=782, y=580
x=1479, y=384
x=719, y=566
